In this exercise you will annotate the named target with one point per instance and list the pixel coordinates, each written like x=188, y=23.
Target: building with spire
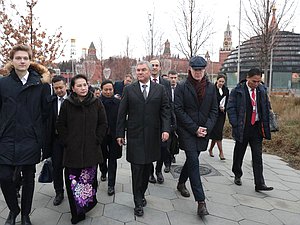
x=282, y=62
x=90, y=65
x=213, y=68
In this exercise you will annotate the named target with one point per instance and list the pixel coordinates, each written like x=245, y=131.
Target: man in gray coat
x=146, y=105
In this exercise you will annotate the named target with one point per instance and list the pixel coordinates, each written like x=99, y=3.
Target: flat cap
x=197, y=62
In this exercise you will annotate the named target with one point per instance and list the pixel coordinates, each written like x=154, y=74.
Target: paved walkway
x=227, y=203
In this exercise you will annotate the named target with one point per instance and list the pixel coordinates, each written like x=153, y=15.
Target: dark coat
x=147, y=119
x=190, y=115
x=118, y=87
x=23, y=112
x=236, y=109
x=111, y=106
x=51, y=132
x=217, y=132
x=81, y=127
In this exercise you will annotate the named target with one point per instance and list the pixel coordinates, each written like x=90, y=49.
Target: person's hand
x=164, y=136
x=201, y=132
x=222, y=108
x=121, y=141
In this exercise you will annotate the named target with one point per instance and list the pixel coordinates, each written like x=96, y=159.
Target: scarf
x=199, y=86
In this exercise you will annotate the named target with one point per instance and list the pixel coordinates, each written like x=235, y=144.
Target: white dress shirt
x=59, y=102
x=25, y=78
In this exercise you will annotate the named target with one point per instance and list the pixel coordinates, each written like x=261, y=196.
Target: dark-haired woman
x=216, y=135
x=81, y=126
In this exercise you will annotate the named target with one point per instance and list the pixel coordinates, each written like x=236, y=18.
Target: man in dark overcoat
x=23, y=111
x=196, y=111
x=146, y=105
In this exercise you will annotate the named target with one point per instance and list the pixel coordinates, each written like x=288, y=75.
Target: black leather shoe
x=11, y=219
x=183, y=190
x=103, y=178
x=138, y=211
x=167, y=169
x=263, y=188
x=25, y=220
x=202, y=210
x=152, y=179
x=77, y=219
x=160, y=178
x=237, y=181
x=58, y=199
x=110, y=190
x=144, y=202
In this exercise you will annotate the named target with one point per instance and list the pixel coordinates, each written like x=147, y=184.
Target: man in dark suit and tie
x=55, y=146
x=157, y=78
x=147, y=108
x=248, y=112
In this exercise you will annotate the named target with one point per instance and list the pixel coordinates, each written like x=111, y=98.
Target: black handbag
x=273, y=121
x=46, y=175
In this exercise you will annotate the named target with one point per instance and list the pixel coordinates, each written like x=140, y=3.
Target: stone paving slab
x=227, y=203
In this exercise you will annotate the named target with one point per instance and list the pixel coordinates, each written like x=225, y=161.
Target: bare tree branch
x=193, y=28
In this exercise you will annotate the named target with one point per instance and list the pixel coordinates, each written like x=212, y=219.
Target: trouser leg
x=256, y=151
x=238, y=156
x=184, y=173
x=57, y=158
x=8, y=188
x=112, y=171
x=28, y=173
x=194, y=174
x=140, y=175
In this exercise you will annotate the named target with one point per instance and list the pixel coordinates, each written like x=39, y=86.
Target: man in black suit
x=55, y=145
x=248, y=112
x=147, y=108
x=156, y=78
x=119, y=85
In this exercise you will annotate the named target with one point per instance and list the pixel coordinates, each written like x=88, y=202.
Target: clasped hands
x=201, y=132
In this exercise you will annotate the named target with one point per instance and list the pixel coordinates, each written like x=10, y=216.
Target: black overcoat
x=147, y=119
x=111, y=106
x=81, y=127
x=23, y=112
x=190, y=115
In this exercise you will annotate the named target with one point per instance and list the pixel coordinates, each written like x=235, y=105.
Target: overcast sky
x=115, y=20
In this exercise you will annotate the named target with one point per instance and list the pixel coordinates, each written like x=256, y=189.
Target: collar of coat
x=38, y=68
x=89, y=99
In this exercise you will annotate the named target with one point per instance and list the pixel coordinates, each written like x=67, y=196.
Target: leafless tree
x=193, y=28
x=154, y=39
x=18, y=28
x=265, y=25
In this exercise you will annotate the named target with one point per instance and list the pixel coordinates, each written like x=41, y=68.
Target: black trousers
x=252, y=137
x=109, y=165
x=140, y=176
x=8, y=188
x=163, y=156
x=57, y=158
x=191, y=170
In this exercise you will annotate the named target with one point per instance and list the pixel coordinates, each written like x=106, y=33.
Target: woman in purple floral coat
x=81, y=126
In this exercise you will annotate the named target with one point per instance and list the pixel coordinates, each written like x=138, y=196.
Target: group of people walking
x=152, y=116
